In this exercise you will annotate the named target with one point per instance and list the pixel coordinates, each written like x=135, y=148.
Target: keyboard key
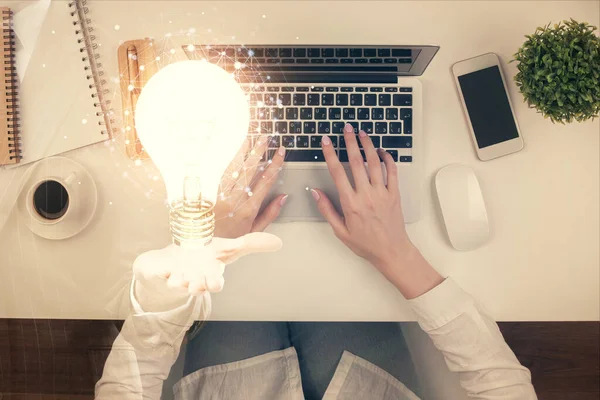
x=302, y=60
x=287, y=89
x=266, y=127
x=401, y=53
x=277, y=113
x=281, y=127
x=408, y=126
x=288, y=61
x=299, y=52
x=391, y=114
x=375, y=61
x=314, y=52
x=341, y=53
x=271, y=53
x=396, y=127
x=402, y=100
x=314, y=99
x=328, y=52
x=327, y=99
x=295, y=127
x=274, y=142
x=287, y=142
x=391, y=89
x=405, y=159
x=285, y=52
x=397, y=142
x=302, y=141
x=356, y=53
x=302, y=89
x=341, y=99
x=364, y=113
x=291, y=113
x=349, y=113
x=285, y=99
x=346, y=61
x=310, y=127
x=332, y=89
x=331, y=61
x=337, y=127
x=273, y=89
x=370, y=99
x=370, y=53
x=385, y=100
x=263, y=113
x=324, y=127
x=317, y=61
x=356, y=99
x=320, y=113
x=256, y=52
x=383, y=52
x=381, y=127
x=354, y=124
x=304, y=155
x=346, y=89
x=406, y=89
x=299, y=99
x=306, y=113
x=390, y=61
x=367, y=127
x=394, y=154
x=335, y=113
x=317, y=89
x=256, y=97
x=362, y=89
x=315, y=141
x=405, y=113
x=270, y=99
x=361, y=61
x=272, y=61
x=376, y=89
x=254, y=127
x=377, y=113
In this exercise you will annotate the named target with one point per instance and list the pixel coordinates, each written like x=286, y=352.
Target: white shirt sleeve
x=472, y=344
x=146, y=348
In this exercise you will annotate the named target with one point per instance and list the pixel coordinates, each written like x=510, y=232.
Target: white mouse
x=462, y=207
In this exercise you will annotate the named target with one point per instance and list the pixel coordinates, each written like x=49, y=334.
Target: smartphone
x=488, y=110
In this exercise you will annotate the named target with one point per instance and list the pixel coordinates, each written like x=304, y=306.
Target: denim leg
x=320, y=346
x=220, y=342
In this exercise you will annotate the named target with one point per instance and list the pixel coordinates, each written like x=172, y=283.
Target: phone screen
x=488, y=107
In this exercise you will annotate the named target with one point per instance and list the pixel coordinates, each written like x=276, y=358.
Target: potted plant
x=559, y=71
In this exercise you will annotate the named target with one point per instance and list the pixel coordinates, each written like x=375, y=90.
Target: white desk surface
x=542, y=262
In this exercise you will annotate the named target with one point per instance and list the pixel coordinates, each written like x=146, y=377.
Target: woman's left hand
x=244, y=187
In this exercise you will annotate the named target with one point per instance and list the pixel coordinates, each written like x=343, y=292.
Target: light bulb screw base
x=192, y=223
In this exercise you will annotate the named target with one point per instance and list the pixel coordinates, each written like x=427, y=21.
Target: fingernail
x=325, y=141
x=315, y=194
x=283, y=200
x=349, y=128
x=281, y=151
x=362, y=134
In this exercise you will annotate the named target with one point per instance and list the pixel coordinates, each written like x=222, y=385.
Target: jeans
x=319, y=346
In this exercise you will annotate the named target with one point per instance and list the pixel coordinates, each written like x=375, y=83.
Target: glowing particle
x=260, y=104
x=126, y=112
x=142, y=67
x=170, y=22
x=230, y=215
x=297, y=37
x=79, y=183
x=193, y=30
x=84, y=121
x=268, y=77
x=117, y=27
x=172, y=51
x=249, y=194
x=157, y=58
x=306, y=188
x=238, y=65
x=138, y=162
x=252, y=152
x=209, y=30
x=235, y=174
x=190, y=47
x=269, y=162
x=155, y=178
x=133, y=56
x=223, y=53
x=130, y=88
x=125, y=174
x=127, y=141
x=247, y=189
x=53, y=32
x=43, y=65
x=168, y=34
x=110, y=203
x=261, y=169
x=264, y=16
x=128, y=128
x=64, y=137
x=250, y=53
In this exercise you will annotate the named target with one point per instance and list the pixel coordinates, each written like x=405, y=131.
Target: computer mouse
x=463, y=208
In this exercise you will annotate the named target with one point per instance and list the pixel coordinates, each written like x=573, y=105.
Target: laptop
x=300, y=93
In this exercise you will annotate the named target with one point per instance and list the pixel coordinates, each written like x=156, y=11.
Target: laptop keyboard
x=297, y=117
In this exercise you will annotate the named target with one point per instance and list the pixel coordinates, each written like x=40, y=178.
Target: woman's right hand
x=372, y=225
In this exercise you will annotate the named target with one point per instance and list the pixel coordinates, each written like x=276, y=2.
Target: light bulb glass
x=192, y=118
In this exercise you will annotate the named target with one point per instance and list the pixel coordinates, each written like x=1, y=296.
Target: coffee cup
x=51, y=199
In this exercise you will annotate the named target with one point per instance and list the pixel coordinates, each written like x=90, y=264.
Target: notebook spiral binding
x=11, y=87
x=91, y=59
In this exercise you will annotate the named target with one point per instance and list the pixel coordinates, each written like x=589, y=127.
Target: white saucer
x=84, y=193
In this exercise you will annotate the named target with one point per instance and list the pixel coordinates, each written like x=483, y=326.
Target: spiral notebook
x=9, y=133
x=62, y=104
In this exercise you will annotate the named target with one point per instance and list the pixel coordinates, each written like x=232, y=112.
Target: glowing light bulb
x=192, y=118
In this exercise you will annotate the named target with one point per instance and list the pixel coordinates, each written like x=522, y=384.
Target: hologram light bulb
x=192, y=118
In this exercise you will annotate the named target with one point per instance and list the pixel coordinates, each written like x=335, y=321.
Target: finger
x=355, y=158
x=177, y=281
x=197, y=285
x=336, y=169
x=253, y=161
x=269, y=214
x=229, y=250
x=214, y=282
x=391, y=170
x=373, y=161
x=329, y=212
x=268, y=177
x=232, y=172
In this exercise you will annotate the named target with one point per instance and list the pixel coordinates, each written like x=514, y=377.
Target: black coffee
x=51, y=200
